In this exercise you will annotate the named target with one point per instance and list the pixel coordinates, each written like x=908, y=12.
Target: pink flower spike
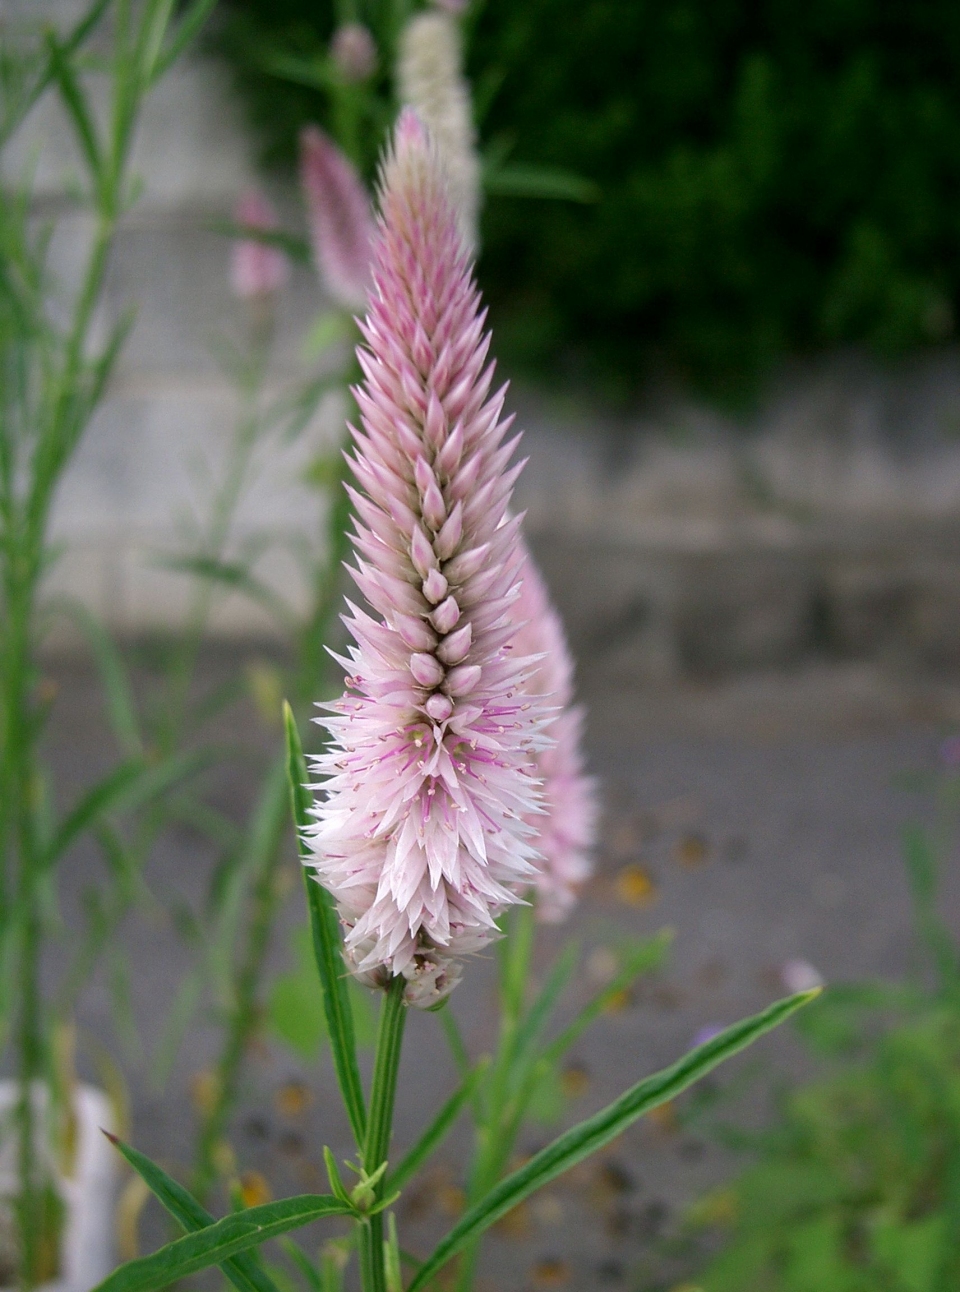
x=567, y=831
x=257, y=270
x=424, y=827
x=339, y=216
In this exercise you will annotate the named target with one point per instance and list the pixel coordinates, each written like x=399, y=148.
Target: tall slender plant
x=54, y=368
x=421, y=835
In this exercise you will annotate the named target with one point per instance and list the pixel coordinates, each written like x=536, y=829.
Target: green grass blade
x=642, y=959
x=76, y=105
x=217, y=1243
x=98, y=800
x=547, y=182
x=121, y=708
x=186, y=33
x=921, y=861
x=590, y=1135
x=538, y=1015
x=436, y=1132
x=243, y=1271
x=325, y=928
x=296, y=249
x=128, y=787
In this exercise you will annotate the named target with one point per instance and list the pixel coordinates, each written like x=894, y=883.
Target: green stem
x=244, y=1011
x=493, y=1145
x=376, y=1147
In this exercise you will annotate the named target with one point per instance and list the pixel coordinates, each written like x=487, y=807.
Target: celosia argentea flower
x=568, y=822
x=339, y=216
x=423, y=831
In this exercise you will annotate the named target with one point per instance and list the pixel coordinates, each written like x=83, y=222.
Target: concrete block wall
x=677, y=541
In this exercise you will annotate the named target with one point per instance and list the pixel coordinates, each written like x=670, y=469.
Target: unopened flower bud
x=354, y=52
x=339, y=216
x=257, y=269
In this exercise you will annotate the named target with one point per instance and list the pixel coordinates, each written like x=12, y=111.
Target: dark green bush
x=776, y=177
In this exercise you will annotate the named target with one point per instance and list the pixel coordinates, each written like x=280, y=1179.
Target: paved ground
x=759, y=819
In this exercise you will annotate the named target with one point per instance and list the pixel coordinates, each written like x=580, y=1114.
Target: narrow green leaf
x=187, y=32
x=590, y=1135
x=231, y=575
x=75, y=102
x=325, y=928
x=243, y=1271
x=316, y=74
x=537, y=1017
x=121, y=708
x=98, y=800
x=550, y=182
x=641, y=959
x=297, y=249
x=301, y=1261
x=217, y=1243
x=921, y=861
x=436, y=1132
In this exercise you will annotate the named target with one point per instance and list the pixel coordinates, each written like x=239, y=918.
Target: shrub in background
x=772, y=178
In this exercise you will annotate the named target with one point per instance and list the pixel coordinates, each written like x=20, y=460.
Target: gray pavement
x=759, y=818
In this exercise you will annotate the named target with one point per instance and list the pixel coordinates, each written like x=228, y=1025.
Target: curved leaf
x=218, y=1242
x=583, y=1140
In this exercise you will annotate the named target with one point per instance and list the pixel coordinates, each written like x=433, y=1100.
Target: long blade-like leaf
x=325, y=928
x=642, y=959
x=517, y=180
x=128, y=787
x=295, y=248
x=537, y=1017
x=220, y=1241
x=583, y=1140
x=77, y=107
x=435, y=1133
x=93, y=804
x=190, y=26
x=114, y=678
x=243, y=1271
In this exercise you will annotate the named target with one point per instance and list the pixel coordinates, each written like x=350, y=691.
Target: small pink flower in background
x=339, y=216
x=800, y=975
x=423, y=832
x=257, y=270
x=354, y=52
x=567, y=830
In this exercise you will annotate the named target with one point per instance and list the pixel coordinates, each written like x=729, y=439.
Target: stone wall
x=677, y=541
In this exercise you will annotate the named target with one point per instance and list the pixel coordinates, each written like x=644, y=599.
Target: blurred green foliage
x=774, y=177
x=858, y=1187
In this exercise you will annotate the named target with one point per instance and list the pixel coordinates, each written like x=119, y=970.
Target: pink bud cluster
x=567, y=825
x=339, y=218
x=257, y=270
x=423, y=828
